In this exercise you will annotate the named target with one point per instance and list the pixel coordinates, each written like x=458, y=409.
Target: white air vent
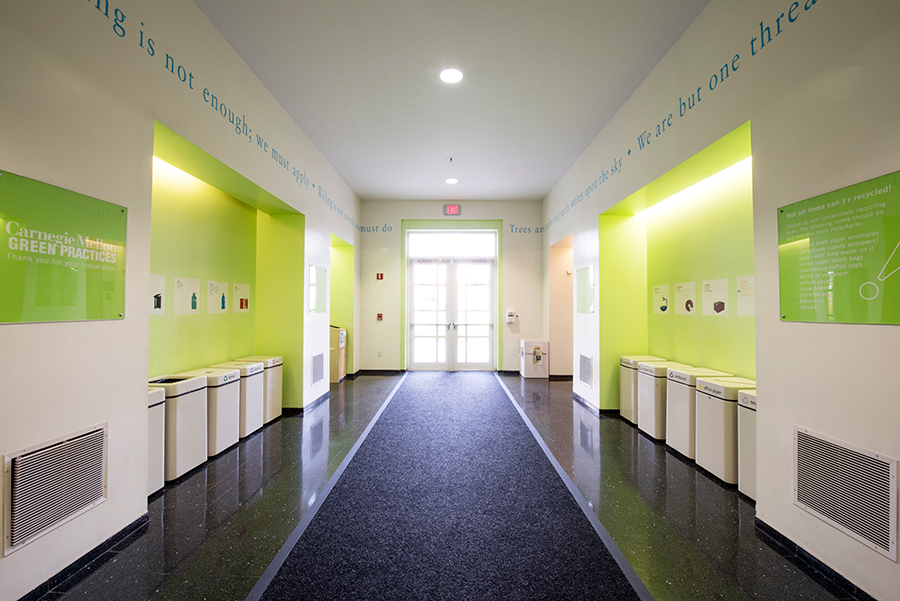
x=586, y=370
x=853, y=489
x=318, y=367
x=51, y=485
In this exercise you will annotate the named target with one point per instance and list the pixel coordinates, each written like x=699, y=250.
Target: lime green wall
x=224, y=228
x=622, y=304
x=692, y=224
x=342, y=291
x=464, y=224
x=280, y=289
x=705, y=235
x=199, y=232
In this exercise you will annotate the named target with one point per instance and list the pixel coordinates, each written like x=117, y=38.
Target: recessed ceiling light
x=451, y=75
x=452, y=181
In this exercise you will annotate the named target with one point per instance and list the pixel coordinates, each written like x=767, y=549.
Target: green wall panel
x=706, y=234
x=622, y=304
x=342, y=291
x=199, y=232
x=279, y=312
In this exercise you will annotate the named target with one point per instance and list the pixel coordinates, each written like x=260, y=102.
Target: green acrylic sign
x=63, y=256
x=839, y=255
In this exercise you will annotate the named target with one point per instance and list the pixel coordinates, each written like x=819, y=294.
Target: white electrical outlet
x=379, y=353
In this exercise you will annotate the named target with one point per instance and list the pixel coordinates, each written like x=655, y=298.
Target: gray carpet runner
x=449, y=497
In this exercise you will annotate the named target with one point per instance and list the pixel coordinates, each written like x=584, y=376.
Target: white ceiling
x=542, y=78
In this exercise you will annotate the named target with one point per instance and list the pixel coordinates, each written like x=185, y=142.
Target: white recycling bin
x=534, y=358
x=273, y=372
x=628, y=372
x=747, y=442
x=156, y=439
x=652, y=396
x=681, y=407
x=717, y=438
x=185, y=422
x=223, y=406
x=252, y=394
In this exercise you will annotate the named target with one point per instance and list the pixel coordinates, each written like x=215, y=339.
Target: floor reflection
x=212, y=533
x=686, y=536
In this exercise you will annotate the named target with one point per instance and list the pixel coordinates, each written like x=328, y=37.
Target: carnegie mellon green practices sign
x=63, y=254
x=839, y=255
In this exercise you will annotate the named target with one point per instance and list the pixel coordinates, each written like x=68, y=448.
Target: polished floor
x=212, y=534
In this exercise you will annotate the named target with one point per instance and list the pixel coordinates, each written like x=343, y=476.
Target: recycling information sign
x=839, y=255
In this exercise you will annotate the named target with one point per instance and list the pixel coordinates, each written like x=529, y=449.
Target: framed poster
x=839, y=255
x=63, y=255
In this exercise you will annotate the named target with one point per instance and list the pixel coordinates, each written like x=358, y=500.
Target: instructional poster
x=661, y=296
x=216, y=301
x=186, y=296
x=839, y=255
x=715, y=297
x=686, y=298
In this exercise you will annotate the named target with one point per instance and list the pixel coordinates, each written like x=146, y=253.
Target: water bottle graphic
x=223, y=301
x=193, y=301
x=866, y=290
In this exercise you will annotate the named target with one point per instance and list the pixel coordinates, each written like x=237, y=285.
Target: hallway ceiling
x=542, y=78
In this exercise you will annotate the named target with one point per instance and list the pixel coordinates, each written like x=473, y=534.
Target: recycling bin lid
x=724, y=388
x=659, y=369
x=267, y=360
x=633, y=360
x=747, y=398
x=177, y=385
x=215, y=376
x=247, y=368
x=689, y=376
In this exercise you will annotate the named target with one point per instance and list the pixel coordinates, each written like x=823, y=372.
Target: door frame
x=495, y=225
x=452, y=309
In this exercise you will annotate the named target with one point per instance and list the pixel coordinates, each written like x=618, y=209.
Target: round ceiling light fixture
x=451, y=75
x=452, y=181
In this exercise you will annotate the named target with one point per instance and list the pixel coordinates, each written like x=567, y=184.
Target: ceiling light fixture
x=451, y=75
x=452, y=181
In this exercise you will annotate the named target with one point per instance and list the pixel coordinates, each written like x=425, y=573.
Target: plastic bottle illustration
x=193, y=301
x=223, y=301
x=865, y=290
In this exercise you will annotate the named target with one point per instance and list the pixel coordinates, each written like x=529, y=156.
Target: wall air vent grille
x=854, y=490
x=51, y=485
x=318, y=367
x=586, y=370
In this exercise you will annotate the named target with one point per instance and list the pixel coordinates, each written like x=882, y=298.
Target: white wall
x=561, y=299
x=380, y=250
x=316, y=332
x=78, y=107
x=821, y=100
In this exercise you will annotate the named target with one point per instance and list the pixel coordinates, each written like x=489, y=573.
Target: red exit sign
x=452, y=209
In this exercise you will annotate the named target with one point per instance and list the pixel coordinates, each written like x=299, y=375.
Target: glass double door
x=451, y=315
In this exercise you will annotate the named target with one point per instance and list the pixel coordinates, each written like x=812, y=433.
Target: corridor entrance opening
x=451, y=300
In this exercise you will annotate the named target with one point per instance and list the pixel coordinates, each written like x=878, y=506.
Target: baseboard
x=581, y=401
x=137, y=527
x=560, y=378
x=379, y=372
x=825, y=576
